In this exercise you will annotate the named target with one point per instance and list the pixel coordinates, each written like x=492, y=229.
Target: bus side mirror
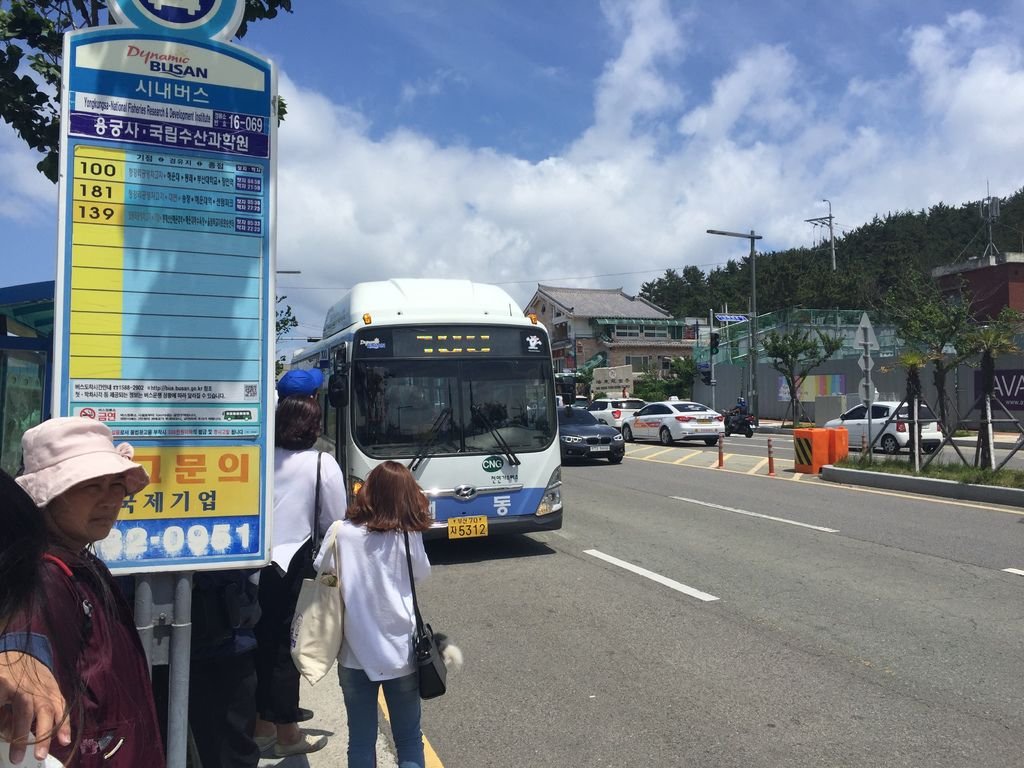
x=337, y=392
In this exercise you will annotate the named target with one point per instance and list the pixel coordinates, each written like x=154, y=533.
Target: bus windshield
x=452, y=406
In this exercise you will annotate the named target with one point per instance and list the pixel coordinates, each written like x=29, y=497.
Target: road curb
x=950, y=489
x=963, y=442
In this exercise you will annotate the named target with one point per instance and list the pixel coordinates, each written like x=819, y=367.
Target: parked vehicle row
x=581, y=436
x=615, y=411
x=602, y=430
x=673, y=420
x=897, y=434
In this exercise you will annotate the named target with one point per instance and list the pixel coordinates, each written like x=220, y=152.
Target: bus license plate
x=467, y=527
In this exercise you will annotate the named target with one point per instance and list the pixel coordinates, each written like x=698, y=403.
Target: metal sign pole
x=870, y=391
x=711, y=357
x=181, y=651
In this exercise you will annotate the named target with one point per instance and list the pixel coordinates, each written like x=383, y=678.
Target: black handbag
x=429, y=664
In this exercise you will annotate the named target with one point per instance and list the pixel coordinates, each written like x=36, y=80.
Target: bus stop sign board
x=165, y=299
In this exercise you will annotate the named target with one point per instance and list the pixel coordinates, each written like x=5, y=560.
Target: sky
x=592, y=144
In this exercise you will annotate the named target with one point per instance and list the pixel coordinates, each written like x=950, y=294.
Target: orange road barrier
x=811, y=447
x=721, y=450
x=838, y=444
x=771, y=459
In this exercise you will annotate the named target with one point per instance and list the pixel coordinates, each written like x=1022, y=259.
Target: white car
x=614, y=411
x=896, y=435
x=672, y=420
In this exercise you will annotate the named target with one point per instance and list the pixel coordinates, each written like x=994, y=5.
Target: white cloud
x=760, y=152
x=26, y=195
x=656, y=167
x=758, y=89
x=429, y=87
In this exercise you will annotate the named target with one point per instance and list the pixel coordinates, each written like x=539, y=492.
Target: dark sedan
x=581, y=436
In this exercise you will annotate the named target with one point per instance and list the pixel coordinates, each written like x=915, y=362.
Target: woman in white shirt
x=296, y=460
x=379, y=617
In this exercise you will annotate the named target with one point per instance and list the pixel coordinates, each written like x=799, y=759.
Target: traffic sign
x=866, y=363
x=731, y=318
x=866, y=333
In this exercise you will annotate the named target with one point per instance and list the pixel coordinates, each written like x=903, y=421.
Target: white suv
x=615, y=410
x=897, y=434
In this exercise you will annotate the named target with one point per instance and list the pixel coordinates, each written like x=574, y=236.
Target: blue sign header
x=198, y=19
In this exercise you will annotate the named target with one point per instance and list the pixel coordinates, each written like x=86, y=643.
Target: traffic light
x=714, y=343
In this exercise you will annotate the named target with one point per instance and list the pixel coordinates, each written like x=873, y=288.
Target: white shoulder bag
x=319, y=623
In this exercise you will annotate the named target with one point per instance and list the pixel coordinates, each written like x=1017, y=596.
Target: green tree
x=584, y=378
x=32, y=34
x=684, y=371
x=796, y=353
x=684, y=295
x=285, y=322
x=938, y=326
x=914, y=361
x=993, y=340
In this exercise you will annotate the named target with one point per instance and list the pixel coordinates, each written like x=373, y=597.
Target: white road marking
x=755, y=514
x=687, y=457
x=1017, y=571
x=650, y=456
x=757, y=467
x=670, y=583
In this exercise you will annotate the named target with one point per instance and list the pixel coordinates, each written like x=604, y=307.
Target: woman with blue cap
x=301, y=475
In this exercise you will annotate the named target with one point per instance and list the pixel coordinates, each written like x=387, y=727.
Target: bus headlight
x=552, y=499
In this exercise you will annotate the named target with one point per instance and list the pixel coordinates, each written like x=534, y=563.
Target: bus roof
x=416, y=299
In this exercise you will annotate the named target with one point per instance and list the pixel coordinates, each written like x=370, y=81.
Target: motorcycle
x=739, y=423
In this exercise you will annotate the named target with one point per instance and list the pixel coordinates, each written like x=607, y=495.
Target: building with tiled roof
x=605, y=327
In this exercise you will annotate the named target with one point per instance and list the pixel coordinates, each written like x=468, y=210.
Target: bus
x=451, y=379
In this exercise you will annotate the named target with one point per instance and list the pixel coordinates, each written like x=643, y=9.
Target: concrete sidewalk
x=325, y=700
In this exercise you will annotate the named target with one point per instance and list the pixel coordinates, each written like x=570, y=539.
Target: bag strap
x=412, y=583
x=316, y=538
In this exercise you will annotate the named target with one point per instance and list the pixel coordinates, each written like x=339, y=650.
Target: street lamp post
x=752, y=352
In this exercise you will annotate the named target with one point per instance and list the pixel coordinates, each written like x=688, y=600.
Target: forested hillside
x=870, y=260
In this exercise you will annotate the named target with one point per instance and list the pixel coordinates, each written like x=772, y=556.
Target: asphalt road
x=779, y=622
x=895, y=640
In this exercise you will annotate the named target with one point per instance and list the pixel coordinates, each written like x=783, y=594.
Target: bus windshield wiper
x=498, y=438
x=435, y=430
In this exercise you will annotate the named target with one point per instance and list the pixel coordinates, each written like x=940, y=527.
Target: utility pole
x=831, y=230
x=752, y=352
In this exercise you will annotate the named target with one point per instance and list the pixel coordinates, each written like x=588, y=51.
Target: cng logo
x=493, y=464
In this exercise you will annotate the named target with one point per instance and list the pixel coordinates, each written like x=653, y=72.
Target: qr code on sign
x=250, y=391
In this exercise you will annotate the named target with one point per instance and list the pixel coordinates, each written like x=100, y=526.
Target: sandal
x=303, y=746
x=265, y=742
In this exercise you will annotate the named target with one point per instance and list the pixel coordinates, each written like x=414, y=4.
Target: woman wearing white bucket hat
x=81, y=627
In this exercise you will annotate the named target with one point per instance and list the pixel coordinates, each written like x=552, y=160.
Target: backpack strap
x=86, y=605
x=60, y=564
